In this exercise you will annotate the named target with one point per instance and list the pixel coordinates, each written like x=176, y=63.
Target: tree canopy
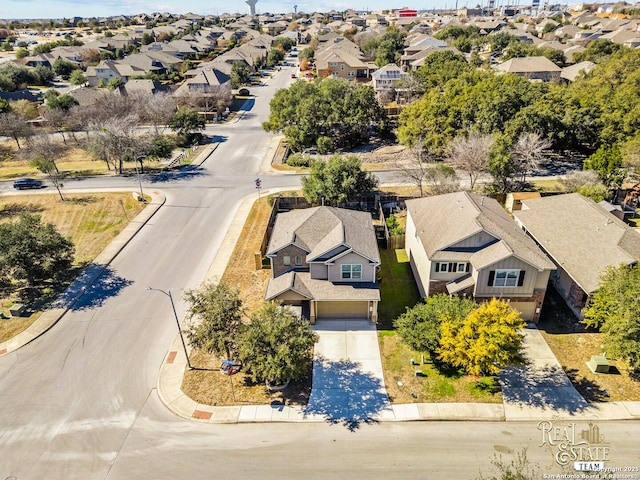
x=486, y=341
x=276, y=345
x=33, y=251
x=334, y=113
x=337, y=181
x=419, y=326
x=615, y=309
x=186, y=122
x=217, y=313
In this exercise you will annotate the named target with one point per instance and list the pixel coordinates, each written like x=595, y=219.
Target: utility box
x=18, y=310
x=599, y=364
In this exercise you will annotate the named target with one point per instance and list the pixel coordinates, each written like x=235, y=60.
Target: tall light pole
x=135, y=162
x=173, y=306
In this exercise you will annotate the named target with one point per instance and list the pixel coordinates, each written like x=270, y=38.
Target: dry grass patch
x=573, y=350
x=74, y=161
x=573, y=347
x=207, y=385
x=11, y=327
x=403, y=386
x=241, y=270
x=91, y=221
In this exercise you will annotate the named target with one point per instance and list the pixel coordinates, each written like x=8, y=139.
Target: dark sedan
x=27, y=183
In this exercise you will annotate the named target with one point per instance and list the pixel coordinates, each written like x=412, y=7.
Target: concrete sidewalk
x=56, y=311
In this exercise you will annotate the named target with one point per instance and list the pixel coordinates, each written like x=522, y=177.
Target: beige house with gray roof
x=466, y=244
x=582, y=239
x=325, y=259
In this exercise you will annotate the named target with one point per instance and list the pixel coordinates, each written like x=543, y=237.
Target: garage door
x=343, y=310
x=527, y=309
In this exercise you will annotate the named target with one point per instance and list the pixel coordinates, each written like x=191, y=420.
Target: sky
x=36, y=9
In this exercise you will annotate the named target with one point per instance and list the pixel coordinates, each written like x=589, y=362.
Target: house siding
x=530, y=279
x=291, y=297
x=420, y=264
x=368, y=271
x=319, y=271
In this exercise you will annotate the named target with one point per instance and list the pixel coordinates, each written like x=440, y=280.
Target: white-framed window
x=452, y=267
x=342, y=67
x=351, y=73
x=286, y=260
x=506, y=278
x=298, y=260
x=351, y=271
x=333, y=64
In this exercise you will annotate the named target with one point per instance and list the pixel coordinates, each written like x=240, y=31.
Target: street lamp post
x=175, y=315
x=135, y=162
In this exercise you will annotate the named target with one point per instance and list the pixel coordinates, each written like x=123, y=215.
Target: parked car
x=27, y=183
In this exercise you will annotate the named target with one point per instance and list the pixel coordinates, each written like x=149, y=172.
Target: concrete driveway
x=540, y=388
x=348, y=383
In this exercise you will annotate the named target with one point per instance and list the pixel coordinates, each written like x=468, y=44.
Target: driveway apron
x=348, y=383
x=540, y=386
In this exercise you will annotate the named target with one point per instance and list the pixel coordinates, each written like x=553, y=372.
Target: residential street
x=80, y=402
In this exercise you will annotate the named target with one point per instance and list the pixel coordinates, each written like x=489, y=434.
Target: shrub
x=243, y=92
x=299, y=160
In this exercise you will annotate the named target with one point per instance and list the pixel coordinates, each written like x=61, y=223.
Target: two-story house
x=466, y=244
x=582, y=238
x=325, y=259
x=387, y=78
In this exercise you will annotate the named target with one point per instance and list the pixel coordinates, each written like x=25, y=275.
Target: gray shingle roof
x=320, y=290
x=444, y=220
x=320, y=229
x=580, y=236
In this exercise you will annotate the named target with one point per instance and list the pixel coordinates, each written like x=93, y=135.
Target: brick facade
x=277, y=264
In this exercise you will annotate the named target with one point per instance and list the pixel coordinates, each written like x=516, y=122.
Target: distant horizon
x=60, y=9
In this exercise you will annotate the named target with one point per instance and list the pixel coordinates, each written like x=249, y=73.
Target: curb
x=85, y=279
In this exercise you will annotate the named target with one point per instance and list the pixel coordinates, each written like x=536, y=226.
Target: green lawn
x=398, y=289
x=433, y=385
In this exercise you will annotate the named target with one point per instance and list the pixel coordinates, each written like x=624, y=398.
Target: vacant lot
x=91, y=221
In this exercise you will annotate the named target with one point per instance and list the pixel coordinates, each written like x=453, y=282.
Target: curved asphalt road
x=80, y=401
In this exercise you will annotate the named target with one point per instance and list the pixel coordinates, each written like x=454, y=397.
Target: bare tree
x=441, y=178
x=573, y=181
x=43, y=153
x=156, y=110
x=417, y=168
x=471, y=154
x=409, y=88
x=57, y=120
x=50, y=169
x=43, y=146
x=114, y=140
x=14, y=126
x=528, y=153
x=207, y=101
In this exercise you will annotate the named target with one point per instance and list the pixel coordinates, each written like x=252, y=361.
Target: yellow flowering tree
x=486, y=341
